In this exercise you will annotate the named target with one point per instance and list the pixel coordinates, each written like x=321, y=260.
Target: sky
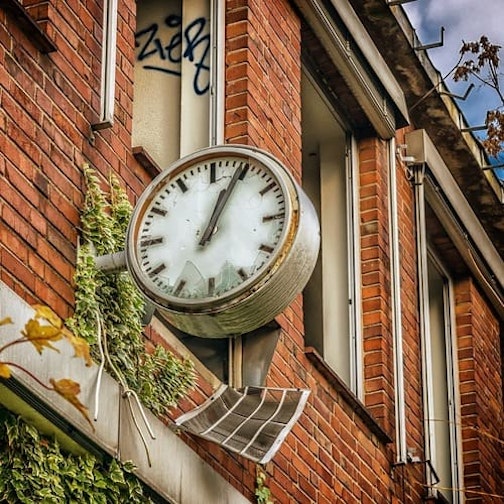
x=463, y=20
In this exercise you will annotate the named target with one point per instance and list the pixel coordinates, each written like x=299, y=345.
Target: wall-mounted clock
x=222, y=241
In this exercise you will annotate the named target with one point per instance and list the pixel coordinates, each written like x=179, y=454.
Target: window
x=331, y=301
x=175, y=78
x=442, y=418
x=439, y=364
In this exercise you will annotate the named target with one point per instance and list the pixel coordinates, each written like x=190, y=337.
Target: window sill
x=348, y=396
x=146, y=161
x=29, y=27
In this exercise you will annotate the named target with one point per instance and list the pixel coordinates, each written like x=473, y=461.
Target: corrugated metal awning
x=252, y=422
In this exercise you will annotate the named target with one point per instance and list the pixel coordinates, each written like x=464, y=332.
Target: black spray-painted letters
x=166, y=57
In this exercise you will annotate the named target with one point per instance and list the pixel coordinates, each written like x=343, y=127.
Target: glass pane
x=441, y=421
x=326, y=297
x=172, y=78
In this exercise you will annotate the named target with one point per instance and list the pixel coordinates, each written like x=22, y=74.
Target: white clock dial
x=210, y=228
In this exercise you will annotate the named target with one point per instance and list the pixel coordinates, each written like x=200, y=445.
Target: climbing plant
x=159, y=378
x=262, y=491
x=35, y=469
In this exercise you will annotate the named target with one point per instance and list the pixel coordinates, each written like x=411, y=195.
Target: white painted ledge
x=177, y=473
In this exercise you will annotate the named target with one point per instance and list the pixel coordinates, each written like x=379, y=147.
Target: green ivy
x=159, y=378
x=35, y=469
x=262, y=491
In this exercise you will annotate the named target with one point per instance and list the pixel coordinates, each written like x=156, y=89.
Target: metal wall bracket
x=493, y=167
x=459, y=97
x=473, y=128
x=407, y=160
x=414, y=459
x=116, y=263
x=399, y=2
x=111, y=263
x=433, y=45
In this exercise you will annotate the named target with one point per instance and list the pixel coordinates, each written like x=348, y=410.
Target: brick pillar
x=481, y=389
x=375, y=267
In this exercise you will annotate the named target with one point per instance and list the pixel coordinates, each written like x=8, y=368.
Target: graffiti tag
x=166, y=56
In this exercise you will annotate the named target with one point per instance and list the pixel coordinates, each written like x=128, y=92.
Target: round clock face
x=208, y=229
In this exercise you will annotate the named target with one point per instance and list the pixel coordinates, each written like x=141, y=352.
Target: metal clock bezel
x=255, y=282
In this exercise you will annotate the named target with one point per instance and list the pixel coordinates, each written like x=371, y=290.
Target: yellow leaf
x=69, y=390
x=4, y=371
x=5, y=321
x=80, y=346
x=46, y=313
x=41, y=335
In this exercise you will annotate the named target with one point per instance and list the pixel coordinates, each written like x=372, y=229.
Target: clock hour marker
x=157, y=270
x=277, y=216
x=211, y=286
x=212, y=173
x=243, y=274
x=266, y=248
x=244, y=171
x=158, y=211
x=179, y=287
x=151, y=241
x=270, y=186
x=181, y=185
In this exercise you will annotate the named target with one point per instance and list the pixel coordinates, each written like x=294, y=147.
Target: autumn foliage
x=480, y=60
x=44, y=329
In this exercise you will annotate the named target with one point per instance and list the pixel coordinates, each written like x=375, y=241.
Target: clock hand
x=213, y=218
x=219, y=206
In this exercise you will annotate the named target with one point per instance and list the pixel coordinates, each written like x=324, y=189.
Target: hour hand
x=219, y=206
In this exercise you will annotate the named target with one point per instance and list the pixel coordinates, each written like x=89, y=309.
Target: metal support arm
x=111, y=263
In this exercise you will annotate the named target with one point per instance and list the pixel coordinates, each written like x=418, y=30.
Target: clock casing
x=222, y=241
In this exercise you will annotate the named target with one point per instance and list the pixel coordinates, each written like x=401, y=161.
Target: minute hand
x=219, y=206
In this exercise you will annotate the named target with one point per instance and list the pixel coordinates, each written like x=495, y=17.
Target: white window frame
x=451, y=374
x=217, y=69
x=395, y=272
x=108, y=66
x=424, y=254
x=354, y=267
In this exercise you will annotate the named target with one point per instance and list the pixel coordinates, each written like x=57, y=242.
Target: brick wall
x=331, y=455
x=263, y=75
x=479, y=355
x=48, y=104
x=40, y=185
